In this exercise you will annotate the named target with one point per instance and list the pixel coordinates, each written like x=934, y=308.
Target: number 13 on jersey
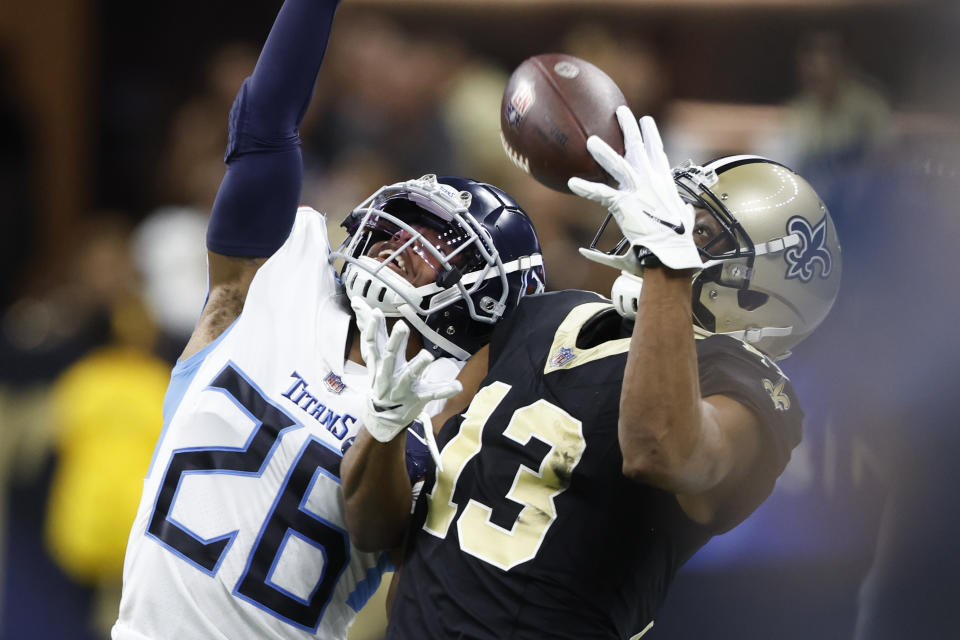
x=535, y=489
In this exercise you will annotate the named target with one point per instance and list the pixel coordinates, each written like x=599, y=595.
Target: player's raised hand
x=399, y=393
x=646, y=205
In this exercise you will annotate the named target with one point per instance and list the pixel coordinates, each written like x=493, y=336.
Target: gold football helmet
x=780, y=279
x=772, y=271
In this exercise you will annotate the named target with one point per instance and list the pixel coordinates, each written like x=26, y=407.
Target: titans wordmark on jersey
x=240, y=529
x=529, y=526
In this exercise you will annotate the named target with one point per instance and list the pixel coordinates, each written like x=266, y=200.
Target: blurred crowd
x=85, y=352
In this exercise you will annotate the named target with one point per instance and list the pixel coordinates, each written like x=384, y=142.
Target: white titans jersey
x=240, y=531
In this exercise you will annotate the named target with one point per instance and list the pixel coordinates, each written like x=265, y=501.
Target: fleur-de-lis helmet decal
x=812, y=252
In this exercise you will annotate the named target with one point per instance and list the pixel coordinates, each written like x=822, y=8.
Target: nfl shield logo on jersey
x=562, y=357
x=334, y=384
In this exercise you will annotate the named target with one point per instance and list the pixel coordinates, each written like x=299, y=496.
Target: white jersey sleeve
x=240, y=530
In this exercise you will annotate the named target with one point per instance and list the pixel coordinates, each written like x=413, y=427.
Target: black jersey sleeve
x=731, y=368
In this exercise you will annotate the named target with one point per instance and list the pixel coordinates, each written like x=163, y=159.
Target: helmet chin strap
x=625, y=295
x=414, y=319
x=756, y=334
x=394, y=306
x=379, y=286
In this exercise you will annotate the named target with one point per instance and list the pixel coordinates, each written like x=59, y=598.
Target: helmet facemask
x=732, y=242
x=727, y=257
x=432, y=221
x=693, y=183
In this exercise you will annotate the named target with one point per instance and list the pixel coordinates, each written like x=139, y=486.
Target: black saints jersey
x=528, y=529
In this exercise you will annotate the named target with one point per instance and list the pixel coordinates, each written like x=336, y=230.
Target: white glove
x=397, y=393
x=647, y=206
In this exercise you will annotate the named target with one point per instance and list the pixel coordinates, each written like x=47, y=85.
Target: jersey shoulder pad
x=539, y=314
x=560, y=300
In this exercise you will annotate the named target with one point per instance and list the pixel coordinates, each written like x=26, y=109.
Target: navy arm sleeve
x=417, y=452
x=260, y=192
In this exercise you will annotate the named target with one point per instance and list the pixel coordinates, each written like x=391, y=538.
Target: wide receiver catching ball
x=552, y=103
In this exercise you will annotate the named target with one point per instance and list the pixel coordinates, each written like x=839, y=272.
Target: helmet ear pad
x=455, y=325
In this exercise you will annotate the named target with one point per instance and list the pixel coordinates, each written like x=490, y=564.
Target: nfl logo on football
x=519, y=104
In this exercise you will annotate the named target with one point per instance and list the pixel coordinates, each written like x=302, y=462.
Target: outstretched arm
x=705, y=450
x=376, y=486
x=260, y=192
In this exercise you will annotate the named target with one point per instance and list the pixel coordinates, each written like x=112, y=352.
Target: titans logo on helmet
x=531, y=283
x=811, y=251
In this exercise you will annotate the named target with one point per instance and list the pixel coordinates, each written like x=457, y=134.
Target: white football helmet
x=780, y=278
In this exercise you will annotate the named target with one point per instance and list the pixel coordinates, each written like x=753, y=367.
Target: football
x=552, y=103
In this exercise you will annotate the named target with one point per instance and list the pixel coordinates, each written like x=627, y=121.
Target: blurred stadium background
x=113, y=118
